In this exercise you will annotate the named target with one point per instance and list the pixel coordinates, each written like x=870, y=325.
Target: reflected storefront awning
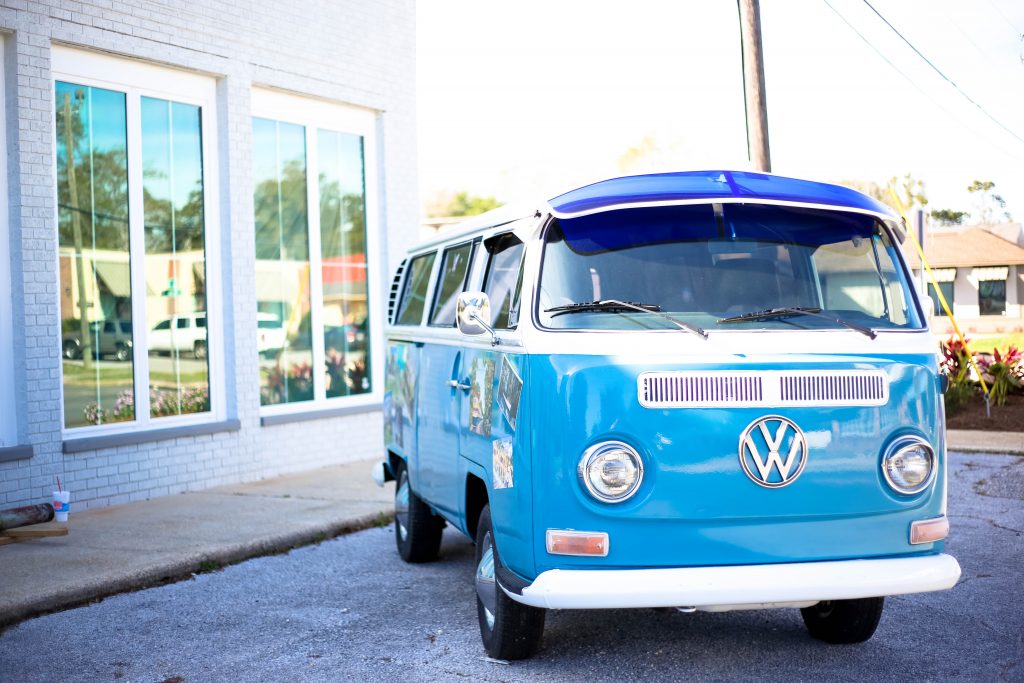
x=116, y=276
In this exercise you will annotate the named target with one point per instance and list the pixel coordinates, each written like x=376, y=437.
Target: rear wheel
x=843, y=621
x=123, y=353
x=199, y=350
x=510, y=630
x=417, y=528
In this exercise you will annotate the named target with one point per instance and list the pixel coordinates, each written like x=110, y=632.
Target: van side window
x=414, y=293
x=503, y=281
x=454, y=270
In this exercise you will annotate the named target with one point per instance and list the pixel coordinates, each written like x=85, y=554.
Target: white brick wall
x=349, y=51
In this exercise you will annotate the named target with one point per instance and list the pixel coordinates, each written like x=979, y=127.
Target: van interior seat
x=747, y=284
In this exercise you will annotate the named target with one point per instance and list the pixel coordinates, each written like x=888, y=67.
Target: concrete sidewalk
x=132, y=546
x=974, y=441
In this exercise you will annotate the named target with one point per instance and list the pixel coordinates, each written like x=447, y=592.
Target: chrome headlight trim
x=905, y=443
x=592, y=454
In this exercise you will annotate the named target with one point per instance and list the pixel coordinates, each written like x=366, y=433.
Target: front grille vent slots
x=696, y=389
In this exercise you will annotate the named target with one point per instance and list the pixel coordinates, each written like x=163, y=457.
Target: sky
x=525, y=99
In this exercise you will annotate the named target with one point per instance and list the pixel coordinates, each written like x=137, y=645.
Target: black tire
x=123, y=353
x=72, y=350
x=199, y=350
x=843, y=621
x=417, y=528
x=512, y=630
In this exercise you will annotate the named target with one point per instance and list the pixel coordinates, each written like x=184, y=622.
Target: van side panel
x=695, y=505
x=401, y=377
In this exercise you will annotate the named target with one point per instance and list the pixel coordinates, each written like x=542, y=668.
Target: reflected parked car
x=109, y=338
x=271, y=336
x=180, y=333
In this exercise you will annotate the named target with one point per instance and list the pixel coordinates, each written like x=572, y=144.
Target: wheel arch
x=476, y=499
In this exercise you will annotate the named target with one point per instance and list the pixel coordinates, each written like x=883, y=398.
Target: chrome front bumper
x=739, y=587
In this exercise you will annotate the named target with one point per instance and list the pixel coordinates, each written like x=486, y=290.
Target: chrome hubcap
x=402, y=506
x=486, y=587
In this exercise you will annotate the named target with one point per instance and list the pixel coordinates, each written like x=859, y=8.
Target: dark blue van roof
x=696, y=185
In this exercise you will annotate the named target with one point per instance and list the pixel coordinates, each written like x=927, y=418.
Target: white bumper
x=718, y=588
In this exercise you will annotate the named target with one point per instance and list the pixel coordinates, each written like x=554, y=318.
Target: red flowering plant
x=955, y=364
x=1003, y=372
x=295, y=384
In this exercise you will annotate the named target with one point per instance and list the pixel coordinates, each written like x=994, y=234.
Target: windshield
x=701, y=268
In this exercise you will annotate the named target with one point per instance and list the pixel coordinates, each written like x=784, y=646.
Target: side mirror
x=472, y=312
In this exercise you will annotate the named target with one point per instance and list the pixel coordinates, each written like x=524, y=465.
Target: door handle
x=456, y=384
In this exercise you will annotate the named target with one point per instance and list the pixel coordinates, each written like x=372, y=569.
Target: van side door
x=442, y=387
x=489, y=413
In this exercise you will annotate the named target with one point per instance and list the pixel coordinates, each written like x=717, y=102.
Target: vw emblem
x=773, y=451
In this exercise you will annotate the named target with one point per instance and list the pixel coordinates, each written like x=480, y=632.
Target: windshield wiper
x=616, y=306
x=785, y=312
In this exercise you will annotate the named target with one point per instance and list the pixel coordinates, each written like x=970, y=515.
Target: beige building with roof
x=980, y=271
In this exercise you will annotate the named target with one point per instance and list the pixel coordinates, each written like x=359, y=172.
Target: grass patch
x=75, y=373
x=207, y=566
x=986, y=344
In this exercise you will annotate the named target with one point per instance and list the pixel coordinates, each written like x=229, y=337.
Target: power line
x=933, y=100
x=944, y=76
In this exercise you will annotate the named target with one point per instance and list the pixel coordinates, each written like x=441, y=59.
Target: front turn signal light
x=929, y=530
x=588, y=543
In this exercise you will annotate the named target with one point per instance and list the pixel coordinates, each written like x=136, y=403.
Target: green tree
x=280, y=215
x=461, y=204
x=987, y=200
x=910, y=190
x=949, y=216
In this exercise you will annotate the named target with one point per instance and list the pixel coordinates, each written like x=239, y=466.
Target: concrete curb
x=978, y=441
x=184, y=567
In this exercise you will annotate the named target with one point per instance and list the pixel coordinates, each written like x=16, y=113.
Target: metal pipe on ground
x=24, y=516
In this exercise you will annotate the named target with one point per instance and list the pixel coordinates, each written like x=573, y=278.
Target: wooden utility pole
x=753, y=85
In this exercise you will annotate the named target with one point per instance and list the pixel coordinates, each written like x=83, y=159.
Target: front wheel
x=417, y=528
x=843, y=621
x=72, y=350
x=510, y=630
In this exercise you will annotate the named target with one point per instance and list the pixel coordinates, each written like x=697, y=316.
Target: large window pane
x=282, y=262
x=92, y=198
x=344, y=308
x=172, y=185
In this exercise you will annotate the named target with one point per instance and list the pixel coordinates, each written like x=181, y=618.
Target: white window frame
x=8, y=426
x=314, y=114
x=138, y=79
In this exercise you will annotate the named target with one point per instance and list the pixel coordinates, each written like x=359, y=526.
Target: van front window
x=707, y=268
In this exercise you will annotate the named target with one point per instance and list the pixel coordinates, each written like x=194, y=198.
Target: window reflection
x=95, y=296
x=282, y=262
x=343, y=262
x=172, y=182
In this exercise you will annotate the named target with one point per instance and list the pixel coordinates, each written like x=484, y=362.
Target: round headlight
x=611, y=471
x=909, y=465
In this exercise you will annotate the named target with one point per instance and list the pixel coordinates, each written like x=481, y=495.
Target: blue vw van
x=710, y=390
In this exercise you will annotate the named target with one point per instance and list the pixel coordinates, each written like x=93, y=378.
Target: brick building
x=205, y=200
